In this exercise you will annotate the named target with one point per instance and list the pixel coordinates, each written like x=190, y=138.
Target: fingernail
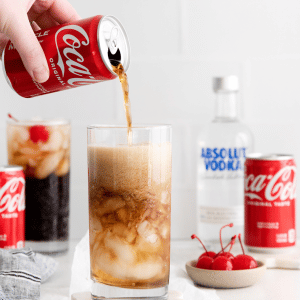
x=41, y=74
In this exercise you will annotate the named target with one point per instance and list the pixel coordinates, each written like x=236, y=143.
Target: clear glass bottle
x=222, y=147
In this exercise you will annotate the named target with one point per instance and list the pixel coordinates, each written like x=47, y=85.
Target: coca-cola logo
x=12, y=195
x=281, y=186
x=69, y=56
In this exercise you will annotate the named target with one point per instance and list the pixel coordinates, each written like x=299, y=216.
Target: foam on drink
x=129, y=203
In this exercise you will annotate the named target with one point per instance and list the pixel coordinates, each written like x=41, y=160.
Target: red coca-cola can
x=270, y=201
x=12, y=207
x=78, y=53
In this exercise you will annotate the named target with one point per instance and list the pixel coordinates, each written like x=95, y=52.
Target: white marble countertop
x=276, y=284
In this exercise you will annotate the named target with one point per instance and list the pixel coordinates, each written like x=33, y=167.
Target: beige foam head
x=119, y=168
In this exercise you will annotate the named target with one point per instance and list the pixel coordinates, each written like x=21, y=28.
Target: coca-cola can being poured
x=12, y=207
x=78, y=53
x=270, y=202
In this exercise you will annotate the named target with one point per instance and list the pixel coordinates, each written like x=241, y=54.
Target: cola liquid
x=119, y=70
x=47, y=210
x=42, y=148
x=129, y=209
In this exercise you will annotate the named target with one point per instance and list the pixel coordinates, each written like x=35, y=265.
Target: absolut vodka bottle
x=222, y=147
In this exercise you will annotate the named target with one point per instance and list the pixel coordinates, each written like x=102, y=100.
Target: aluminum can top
x=10, y=168
x=113, y=42
x=271, y=156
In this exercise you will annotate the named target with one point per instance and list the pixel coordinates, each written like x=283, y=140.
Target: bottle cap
x=226, y=84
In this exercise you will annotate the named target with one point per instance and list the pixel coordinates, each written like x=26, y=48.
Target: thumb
x=3, y=41
x=29, y=48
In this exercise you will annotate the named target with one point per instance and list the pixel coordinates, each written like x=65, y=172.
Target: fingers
x=35, y=27
x=46, y=21
x=46, y=13
x=38, y=9
x=30, y=50
x=49, y=13
x=29, y=4
x=63, y=12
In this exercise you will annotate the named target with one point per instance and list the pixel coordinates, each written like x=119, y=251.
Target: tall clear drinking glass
x=129, y=211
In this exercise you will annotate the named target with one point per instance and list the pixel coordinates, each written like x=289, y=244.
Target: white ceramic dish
x=225, y=279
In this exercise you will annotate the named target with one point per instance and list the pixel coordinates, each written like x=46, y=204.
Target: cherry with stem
x=223, y=261
x=205, y=260
x=243, y=261
x=38, y=133
x=207, y=253
x=227, y=225
x=227, y=254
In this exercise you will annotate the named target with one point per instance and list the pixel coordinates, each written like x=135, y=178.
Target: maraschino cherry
x=222, y=263
x=222, y=253
x=206, y=253
x=223, y=260
x=243, y=261
x=205, y=259
x=205, y=262
x=37, y=132
x=227, y=254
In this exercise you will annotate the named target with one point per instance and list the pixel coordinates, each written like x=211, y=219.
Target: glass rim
x=138, y=126
x=47, y=122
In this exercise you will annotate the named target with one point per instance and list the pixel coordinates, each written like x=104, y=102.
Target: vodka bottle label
x=222, y=215
x=224, y=159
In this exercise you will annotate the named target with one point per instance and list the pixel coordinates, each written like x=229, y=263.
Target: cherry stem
x=227, y=225
x=232, y=241
x=241, y=243
x=11, y=117
x=194, y=236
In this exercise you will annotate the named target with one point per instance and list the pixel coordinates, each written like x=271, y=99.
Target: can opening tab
x=114, y=53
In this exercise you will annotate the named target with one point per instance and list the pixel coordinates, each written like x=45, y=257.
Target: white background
x=177, y=46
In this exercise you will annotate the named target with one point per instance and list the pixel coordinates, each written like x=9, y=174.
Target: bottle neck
x=226, y=107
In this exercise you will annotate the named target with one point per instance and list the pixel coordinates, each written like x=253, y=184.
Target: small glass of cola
x=42, y=148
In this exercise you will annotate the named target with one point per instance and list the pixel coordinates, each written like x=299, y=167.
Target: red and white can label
x=12, y=209
x=77, y=55
x=270, y=196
